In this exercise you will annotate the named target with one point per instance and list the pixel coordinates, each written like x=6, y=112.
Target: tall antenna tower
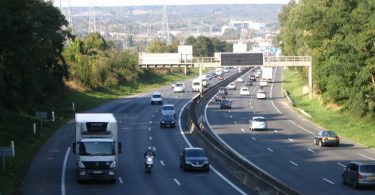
x=165, y=25
x=92, y=21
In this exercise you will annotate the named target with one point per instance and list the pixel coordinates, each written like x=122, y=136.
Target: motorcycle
x=149, y=162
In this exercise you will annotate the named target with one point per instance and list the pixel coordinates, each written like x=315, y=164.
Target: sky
x=75, y=3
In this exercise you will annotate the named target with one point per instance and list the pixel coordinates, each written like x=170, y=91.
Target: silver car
x=168, y=109
x=258, y=123
x=359, y=174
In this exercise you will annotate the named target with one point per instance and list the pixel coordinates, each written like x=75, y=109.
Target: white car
x=239, y=80
x=168, y=109
x=244, y=91
x=156, y=98
x=179, y=87
x=263, y=83
x=258, y=123
x=226, y=70
x=261, y=94
x=232, y=86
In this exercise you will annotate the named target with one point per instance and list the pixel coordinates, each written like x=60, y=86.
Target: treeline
x=340, y=36
x=31, y=42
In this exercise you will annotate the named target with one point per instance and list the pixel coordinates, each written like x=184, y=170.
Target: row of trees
x=340, y=36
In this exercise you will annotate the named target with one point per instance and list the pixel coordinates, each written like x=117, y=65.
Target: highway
x=53, y=169
x=286, y=149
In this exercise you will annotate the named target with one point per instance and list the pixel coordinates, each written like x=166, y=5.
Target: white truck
x=267, y=74
x=96, y=147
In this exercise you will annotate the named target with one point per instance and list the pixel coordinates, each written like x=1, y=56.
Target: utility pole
x=92, y=21
x=165, y=25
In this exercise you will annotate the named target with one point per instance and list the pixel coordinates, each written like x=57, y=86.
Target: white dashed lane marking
x=176, y=181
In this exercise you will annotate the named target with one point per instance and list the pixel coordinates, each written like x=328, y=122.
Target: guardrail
x=247, y=173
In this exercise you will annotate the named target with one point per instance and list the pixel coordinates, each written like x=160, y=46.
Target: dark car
x=252, y=77
x=194, y=159
x=359, y=174
x=225, y=104
x=219, y=97
x=326, y=137
x=249, y=83
x=167, y=121
x=223, y=90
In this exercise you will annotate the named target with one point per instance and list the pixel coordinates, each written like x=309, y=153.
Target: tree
x=31, y=44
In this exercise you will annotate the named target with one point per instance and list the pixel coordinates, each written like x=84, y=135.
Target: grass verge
x=357, y=129
x=19, y=126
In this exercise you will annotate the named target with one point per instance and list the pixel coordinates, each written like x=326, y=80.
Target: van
x=156, y=98
x=196, y=85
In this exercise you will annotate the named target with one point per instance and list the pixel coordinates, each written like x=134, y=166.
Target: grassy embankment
x=357, y=129
x=19, y=126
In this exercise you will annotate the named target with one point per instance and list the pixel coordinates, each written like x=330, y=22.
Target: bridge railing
x=288, y=59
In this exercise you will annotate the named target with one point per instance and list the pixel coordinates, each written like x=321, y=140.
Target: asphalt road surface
x=53, y=169
x=285, y=150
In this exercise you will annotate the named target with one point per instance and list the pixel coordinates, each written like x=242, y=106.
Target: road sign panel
x=241, y=59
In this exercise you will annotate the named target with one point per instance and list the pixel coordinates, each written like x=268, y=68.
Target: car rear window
x=259, y=120
x=367, y=168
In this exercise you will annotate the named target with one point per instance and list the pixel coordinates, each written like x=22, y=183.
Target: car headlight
x=113, y=165
x=162, y=121
x=187, y=162
x=81, y=165
x=205, y=162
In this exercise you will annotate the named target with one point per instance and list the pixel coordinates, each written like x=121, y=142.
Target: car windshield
x=244, y=89
x=367, y=168
x=328, y=134
x=96, y=148
x=168, y=108
x=178, y=85
x=194, y=153
x=156, y=96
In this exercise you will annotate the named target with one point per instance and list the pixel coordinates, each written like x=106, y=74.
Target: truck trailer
x=267, y=74
x=96, y=146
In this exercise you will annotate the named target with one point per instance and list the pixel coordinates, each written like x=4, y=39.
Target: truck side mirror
x=119, y=147
x=74, y=147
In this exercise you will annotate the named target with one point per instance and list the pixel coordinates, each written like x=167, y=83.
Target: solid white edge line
x=301, y=127
x=276, y=108
x=162, y=163
x=290, y=140
x=365, y=156
x=120, y=180
x=329, y=181
x=269, y=149
x=188, y=143
x=63, y=171
x=311, y=150
x=253, y=138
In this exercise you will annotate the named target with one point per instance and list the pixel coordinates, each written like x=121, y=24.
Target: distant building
x=249, y=25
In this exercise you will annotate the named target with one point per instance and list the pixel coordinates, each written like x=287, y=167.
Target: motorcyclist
x=149, y=152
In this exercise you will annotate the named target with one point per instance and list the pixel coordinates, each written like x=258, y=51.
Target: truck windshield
x=96, y=148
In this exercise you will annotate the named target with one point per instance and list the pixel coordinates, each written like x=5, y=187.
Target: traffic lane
x=269, y=148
